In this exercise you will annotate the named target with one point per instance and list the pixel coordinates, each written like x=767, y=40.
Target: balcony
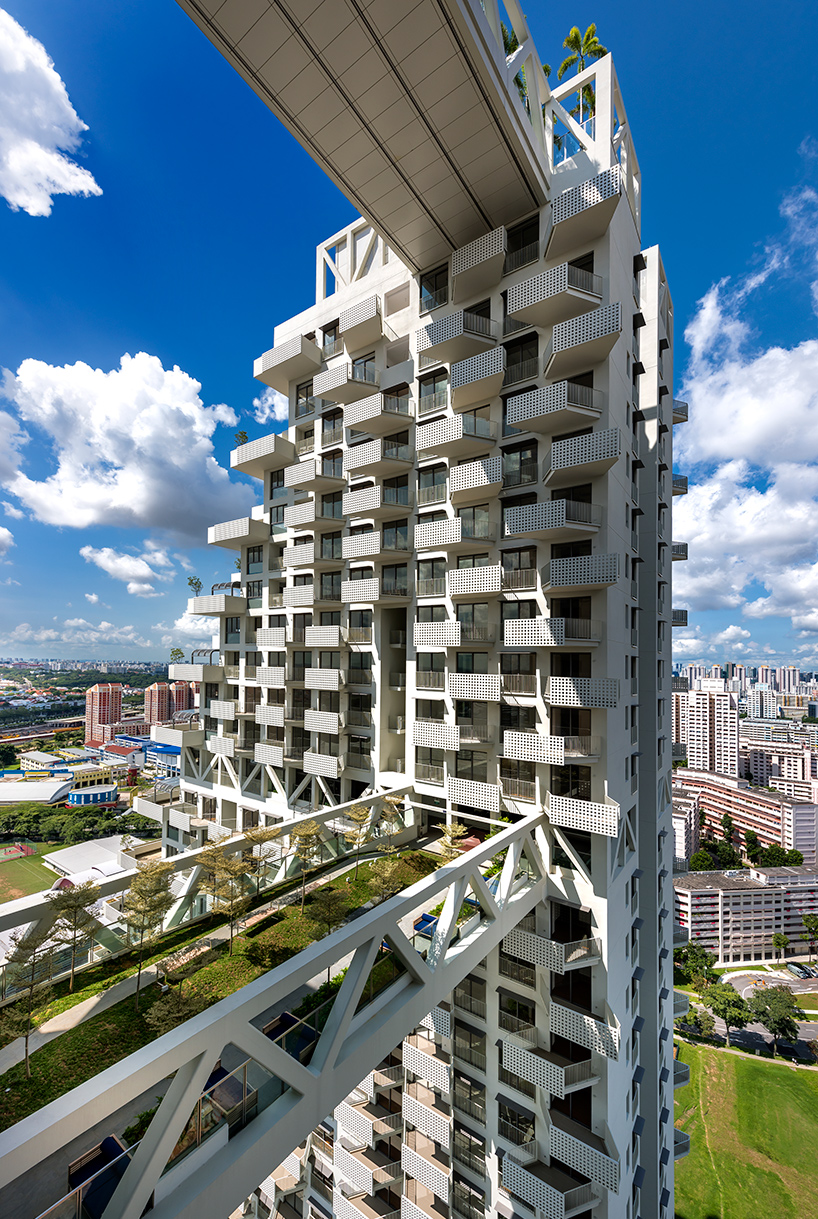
x=218, y=605
x=327, y=765
x=268, y=755
x=583, y=572
x=532, y=747
x=365, y=1168
x=581, y=458
x=362, y=545
x=680, y=411
x=310, y=475
x=323, y=679
x=298, y=596
x=346, y=383
x=270, y=715
x=379, y=458
x=379, y=414
x=578, y=344
x=436, y=634
x=678, y=617
x=242, y=532
x=681, y=935
x=555, y=295
x=518, y=371
x=299, y=556
x=583, y=1151
x=453, y=534
x=222, y=709
x=546, y=1190
x=271, y=676
x=555, y=408
x=584, y=815
x=456, y=436
x=681, y=1074
x=602, y=692
x=478, y=379
x=483, y=687
x=258, y=456
x=419, y=1202
x=366, y=1120
x=470, y=582
x=475, y=733
x=223, y=746
x=272, y=638
x=430, y=680
x=425, y=1110
x=679, y=484
x=426, y=773
x=551, y=954
x=354, y=592
x=423, y=1160
x=583, y=213
x=681, y=1144
x=546, y=1070
x=681, y=1004
x=571, y=633
x=519, y=579
x=435, y=734
x=376, y=502
x=478, y=265
x=485, y=796
x=328, y=722
x=425, y=1059
x=678, y=550
x=434, y=403
x=323, y=637
x=295, y=360
x=457, y=336
x=360, y=325
x=518, y=790
x=309, y=515
x=553, y=520
x=584, y=1029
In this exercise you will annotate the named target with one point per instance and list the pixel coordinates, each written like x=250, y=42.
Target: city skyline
x=113, y=583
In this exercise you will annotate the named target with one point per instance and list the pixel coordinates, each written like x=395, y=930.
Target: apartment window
x=429, y=709
x=469, y=1149
x=331, y=586
x=360, y=668
x=512, y=611
x=304, y=401
x=395, y=579
x=253, y=593
x=521, y=358
x=232, y=630
x=475, y=522
x=255, y=559
x=359, y=710
x=432, y=485
x=396, y=491
x=332, y=464
x=430, y=662
x=434, y=288
x=433, y=393
x=395, y=535
x=429, y=758
x=474, y=620
x=523, y=244
x=516, y=1125
x=361, y=573
x=473, y=662
x=276, y=518
x=473, y=560
x=432, y=613
x=276, y=484
x=331, y=423
x=471, y=765
x=518, y=719
x=470, y=1045
x=524, y=559
x=363, y=368
x=520, y=465
x=469, y=1096
x=330, y=618
x=331, y=545
x=518, y=662
x=332, y=505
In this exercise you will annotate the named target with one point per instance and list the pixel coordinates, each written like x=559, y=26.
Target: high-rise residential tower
x=706, y=721
x=158, y=703
x=103, y=706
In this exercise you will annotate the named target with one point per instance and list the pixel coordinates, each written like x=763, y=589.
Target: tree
x=810, y=922
x=8, y=756
x=581, y=49
x=76, y=917
x=450, y=840
x=694, y=960
x=392, y=818
x=329, y=908
x=195, y=584
x=229, y=874
x=361, y=833
x=702, y=818
x=752, y=846
x=701, y=861
x=261, y=839
x=727, y=1004
x=728, y=856
x=776, y=1009
x=773, y=856
x=28, y=970
x=705, y=1022
x=239, y=438
x=727, y=827
x=145, y=906
x=177, y=656
x=385, y=878
x=780, y=944
x=173, y=1008
x=794, y=859
x=306, y=843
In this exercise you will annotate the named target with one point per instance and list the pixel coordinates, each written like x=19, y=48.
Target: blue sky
x=197, y=235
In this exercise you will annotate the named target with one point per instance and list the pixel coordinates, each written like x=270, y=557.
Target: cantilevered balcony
x=355, y=592
x=322, y=721
x=583, y=213
x=600, y=692
x=581, y=457
x=584, y=815
x=555, y=295
x=552, y=954
x=323, y=637
x=299, y=596
x=679, y=617
x=532, y=747
x=299, y=556
x=362, y=545
x=579, y=573
x=309, y=515
x=482, y=687
x=583, y=1028
x=379, y=414
x=366, y=1120
x=583, y=1151
x=382, y=458
x=361, y=325
x=424, y=1058
x=424, y=1161
x=268, y=755
x=295, y=360
x=376, y=502
x=554, y=520
x=546, y=1070
x=346, y=382
x=258, y=456
x=427, y=1112
x=270, y=715
x=313, y=475
x=478, y=265
x=681, y=1144
x=474, y=481
x=477, y=379
x=467, y=582
x=456, y=436
x=555, y=408
x=571, y=633
x=680, y=411
x=678, y=550
x=242, y=532
x=219, y=605
x=273, y=637
x=485, y=796
x=457, y=336
x=272, y=676
x=454, y=534
x=546, y=1190
x=327, y=765
x=681, y=1074
x=324, y=679
x=679, y=484
x=435, y=734
x=436, y=634
x=578, y=344
x=681, y=1004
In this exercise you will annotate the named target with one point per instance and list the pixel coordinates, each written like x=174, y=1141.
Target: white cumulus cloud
x=190, y=629
x=121, y=566
x=77, y=631
x=141, y=589
x=131, y=447
x=93, y=598
x=271, y=406
x=12, y=511
x=6, y=540
x=38, y=127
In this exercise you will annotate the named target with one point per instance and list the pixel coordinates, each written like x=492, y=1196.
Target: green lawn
x=752, y=1124
x=26, y=875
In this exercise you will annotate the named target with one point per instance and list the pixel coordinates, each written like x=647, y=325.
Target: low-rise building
x=735, y=914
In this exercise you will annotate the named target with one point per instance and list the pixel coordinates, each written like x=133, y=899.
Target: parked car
x=797, y=970
x=812, y=970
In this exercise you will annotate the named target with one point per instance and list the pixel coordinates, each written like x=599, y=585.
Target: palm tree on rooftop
x=582, y=48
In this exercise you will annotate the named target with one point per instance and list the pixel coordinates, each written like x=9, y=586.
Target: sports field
x=19, y=877
x=753, y=1126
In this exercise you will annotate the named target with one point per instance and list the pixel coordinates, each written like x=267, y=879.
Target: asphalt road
x=755, y=1036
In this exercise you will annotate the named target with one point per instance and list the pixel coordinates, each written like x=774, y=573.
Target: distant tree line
x=47, y=823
